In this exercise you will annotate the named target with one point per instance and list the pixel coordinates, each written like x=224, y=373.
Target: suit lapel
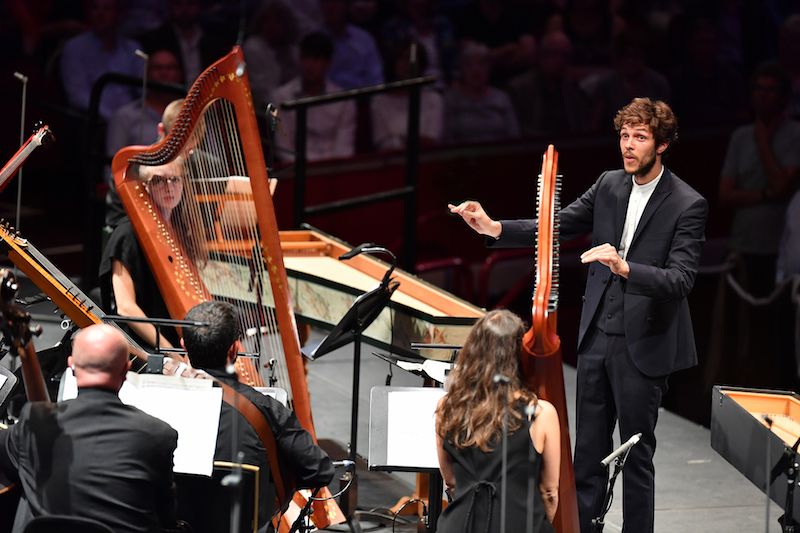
x=663, y=190
x=623, y=193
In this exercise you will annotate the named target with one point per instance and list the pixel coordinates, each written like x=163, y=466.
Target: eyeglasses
x=163, y=180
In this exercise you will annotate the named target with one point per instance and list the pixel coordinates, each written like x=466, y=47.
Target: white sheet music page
x=411, y=435
x=190, y=406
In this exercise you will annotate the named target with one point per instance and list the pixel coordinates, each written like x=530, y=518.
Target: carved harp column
x=541, y=352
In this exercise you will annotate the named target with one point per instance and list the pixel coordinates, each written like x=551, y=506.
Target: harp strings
x=224, y=228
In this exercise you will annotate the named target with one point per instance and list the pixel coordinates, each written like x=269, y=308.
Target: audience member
x=473, y=111
x=389, y=111
x=130, y=124
x=272, y=50
x=546, y=101
x=93, y=457
x=707, y=93
x=356, y=61
x=630, y=78
x=95, y=52
x=420, y=22
x=504, y=29
x=213, y=349
x=759, y=176
x=186, y=38
x=789, y=55
x=331, y=128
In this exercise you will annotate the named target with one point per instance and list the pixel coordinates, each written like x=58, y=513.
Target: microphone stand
x=364, y=310
x=530, y=411
x=598, y=523
x=504, y=381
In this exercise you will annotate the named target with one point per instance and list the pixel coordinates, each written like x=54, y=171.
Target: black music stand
x=362, y=313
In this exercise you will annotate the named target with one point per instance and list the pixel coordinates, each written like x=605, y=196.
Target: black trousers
x=611, y=389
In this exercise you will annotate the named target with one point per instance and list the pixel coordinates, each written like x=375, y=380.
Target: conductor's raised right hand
x=476, y=218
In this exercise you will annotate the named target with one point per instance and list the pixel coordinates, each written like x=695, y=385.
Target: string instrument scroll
x=541, y=346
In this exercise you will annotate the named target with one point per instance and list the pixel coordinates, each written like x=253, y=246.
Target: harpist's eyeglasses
x=163, y=180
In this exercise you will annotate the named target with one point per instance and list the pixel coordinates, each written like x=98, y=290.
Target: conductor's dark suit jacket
x=93, y=457
x=663, y=257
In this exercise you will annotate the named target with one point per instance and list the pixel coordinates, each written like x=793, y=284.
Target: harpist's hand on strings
x=607, y=255
x=476, y=218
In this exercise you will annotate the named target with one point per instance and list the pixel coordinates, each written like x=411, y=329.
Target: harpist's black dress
x=476, y=504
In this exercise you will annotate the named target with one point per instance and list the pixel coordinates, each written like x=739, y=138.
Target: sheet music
x=411, y=436
x=190, y=406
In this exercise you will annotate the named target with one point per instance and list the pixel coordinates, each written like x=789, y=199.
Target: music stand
x=362, y=313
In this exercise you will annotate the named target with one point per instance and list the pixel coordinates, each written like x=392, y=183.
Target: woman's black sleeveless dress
x=476, y=504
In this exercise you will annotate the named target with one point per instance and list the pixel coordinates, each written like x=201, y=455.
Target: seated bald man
x=93, y=456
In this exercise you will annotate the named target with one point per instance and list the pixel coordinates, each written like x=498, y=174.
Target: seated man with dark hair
x=214, y=347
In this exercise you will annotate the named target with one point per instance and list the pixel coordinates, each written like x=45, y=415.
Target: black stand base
x=792, y=525
x=348, y=501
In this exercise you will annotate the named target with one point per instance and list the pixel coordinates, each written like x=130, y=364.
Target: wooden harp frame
x=176, y=275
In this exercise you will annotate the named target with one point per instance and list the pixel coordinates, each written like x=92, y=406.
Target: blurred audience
x=706, y=92
x=592, y=27
x=419, y=21
x=759, y=176
x=631, y=77
x=789, y=249
x=98, y=51
x=43, y=27
x=308, y=14
x=142, y=16
x=505, y=28
x=546, y=101
x=130, y=124
x=473, y=110
x=789, y=55
x=271, y=50
x=186, y=38
x=356, y=61
x=331, y=127
x=389, y=111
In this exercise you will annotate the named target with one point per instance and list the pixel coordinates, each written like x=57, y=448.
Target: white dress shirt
x=637, y=201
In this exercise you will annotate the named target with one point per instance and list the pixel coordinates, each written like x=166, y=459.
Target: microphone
x=346, y=463
x=622, y=449
x=141, y=54
x=21, y=77
x=355, y=251
x=500, y=378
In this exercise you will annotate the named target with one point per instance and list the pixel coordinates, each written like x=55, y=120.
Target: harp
x=221, y=240
x=541, y=346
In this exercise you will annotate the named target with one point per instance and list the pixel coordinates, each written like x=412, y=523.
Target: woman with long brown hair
x=469, y=432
